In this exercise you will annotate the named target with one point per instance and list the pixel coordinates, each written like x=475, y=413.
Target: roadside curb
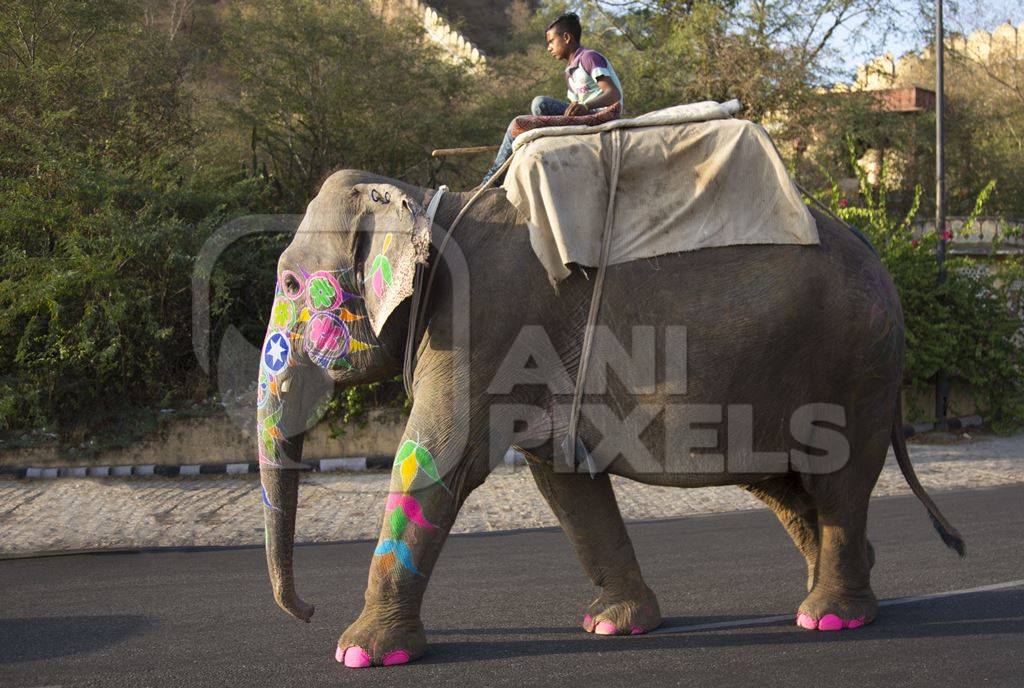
x=948, y=424
x=358, y=463
x=377, y=462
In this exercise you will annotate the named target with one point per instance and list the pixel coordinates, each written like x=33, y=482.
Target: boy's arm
x=609, y=95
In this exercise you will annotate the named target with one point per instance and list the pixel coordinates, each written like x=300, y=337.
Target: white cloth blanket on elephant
x=679, y=179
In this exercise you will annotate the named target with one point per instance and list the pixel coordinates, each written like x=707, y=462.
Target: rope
x=432, y=207
x=828, y=211
x=421, y=289
x=572, y=447
x=821, y=206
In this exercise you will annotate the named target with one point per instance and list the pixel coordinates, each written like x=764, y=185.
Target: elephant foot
x=831, y=612
x=369, y=642
x=616, y=614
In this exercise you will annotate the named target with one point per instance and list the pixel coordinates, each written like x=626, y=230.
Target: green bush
x=965, y=325
x=105, y=206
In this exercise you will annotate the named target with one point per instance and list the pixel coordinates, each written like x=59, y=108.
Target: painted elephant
x=772, y=367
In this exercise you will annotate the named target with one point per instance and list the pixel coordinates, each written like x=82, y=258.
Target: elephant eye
x=291, y=284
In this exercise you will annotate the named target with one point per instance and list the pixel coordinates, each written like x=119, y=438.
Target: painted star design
x=276, y=350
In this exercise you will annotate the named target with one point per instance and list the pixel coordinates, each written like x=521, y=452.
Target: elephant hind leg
x=795, y=509
x=842, y=595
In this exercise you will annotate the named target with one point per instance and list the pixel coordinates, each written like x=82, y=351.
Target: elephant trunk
x=279, y=474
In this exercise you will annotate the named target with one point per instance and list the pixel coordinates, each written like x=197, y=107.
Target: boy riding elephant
x=590, y=80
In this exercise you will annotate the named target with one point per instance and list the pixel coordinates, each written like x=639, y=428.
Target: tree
x=768, y=53
x=101, y=197
x=323, y=85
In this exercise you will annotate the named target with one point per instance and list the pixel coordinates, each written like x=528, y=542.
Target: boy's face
x=560, y=45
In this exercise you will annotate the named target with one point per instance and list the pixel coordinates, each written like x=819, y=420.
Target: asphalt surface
x=502, y=610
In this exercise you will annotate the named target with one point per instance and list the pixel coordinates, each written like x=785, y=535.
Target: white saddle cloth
x=690, y=177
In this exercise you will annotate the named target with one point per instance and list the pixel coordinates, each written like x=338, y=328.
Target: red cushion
x=528, y=122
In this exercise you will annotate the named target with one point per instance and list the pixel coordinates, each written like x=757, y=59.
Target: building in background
x=886, y=72
x=466, y=30
x=903, y=86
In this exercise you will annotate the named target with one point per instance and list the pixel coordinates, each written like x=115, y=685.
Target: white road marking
x=765, y=620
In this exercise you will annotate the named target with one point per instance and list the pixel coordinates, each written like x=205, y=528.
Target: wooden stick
x=472, y=150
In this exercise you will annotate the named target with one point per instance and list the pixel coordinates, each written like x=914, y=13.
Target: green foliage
x=355, y=403
x=965, y=325
x=103, y=211
x=324, y=85
x=984, y=123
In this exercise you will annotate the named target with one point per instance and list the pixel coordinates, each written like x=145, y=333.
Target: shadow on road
x=998, y=612
x=49, y=637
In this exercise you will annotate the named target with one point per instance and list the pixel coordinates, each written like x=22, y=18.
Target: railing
x=441, y=32
x=979, y=241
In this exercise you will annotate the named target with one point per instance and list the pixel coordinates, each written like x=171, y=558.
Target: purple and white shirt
x=585, y=66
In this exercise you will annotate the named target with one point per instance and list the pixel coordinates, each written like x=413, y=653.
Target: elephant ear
x=396, y=229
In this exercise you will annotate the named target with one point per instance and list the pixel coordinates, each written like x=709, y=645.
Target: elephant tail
x=950, y=535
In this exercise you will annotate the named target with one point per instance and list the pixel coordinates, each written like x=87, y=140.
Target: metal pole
x=941, y=380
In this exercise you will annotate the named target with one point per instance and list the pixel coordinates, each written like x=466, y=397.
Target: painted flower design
x=282, y=316
x=402, y=509
x=380, y=269
x=412, y=458
x=323, y=291
x=327, y=339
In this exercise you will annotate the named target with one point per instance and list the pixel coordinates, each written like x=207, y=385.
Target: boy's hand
x=576, y=109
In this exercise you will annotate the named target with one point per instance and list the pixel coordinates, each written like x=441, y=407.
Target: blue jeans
x=541, y=105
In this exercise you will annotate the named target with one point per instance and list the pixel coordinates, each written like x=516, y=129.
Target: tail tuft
x=950, y=535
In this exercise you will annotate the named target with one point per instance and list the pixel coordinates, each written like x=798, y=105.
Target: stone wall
x=437, y=29
x=982, y=235
x=1005, y=42
x=216, y=439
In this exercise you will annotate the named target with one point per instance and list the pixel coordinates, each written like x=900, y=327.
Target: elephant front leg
x=589, y=515
x=422, y=503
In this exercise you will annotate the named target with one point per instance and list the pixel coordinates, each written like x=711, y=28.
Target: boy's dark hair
x=568, y=23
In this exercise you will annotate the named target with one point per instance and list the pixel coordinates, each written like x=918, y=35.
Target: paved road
x=502, y=607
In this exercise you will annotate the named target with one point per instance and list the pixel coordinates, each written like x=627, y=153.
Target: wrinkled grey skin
x=775, y=327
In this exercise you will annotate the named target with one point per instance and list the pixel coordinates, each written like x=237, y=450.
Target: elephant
x=775, y=368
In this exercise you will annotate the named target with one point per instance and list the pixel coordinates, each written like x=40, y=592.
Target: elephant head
x=339, y=284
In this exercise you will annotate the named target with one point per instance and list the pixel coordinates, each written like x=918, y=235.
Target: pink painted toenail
x=637, y=630
x=806, y=621
x=355, y=657
x=586, y=620
x=395, y=657
x=339, y=655
x=830, y=622
x=855, y=623
x=606, y=628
